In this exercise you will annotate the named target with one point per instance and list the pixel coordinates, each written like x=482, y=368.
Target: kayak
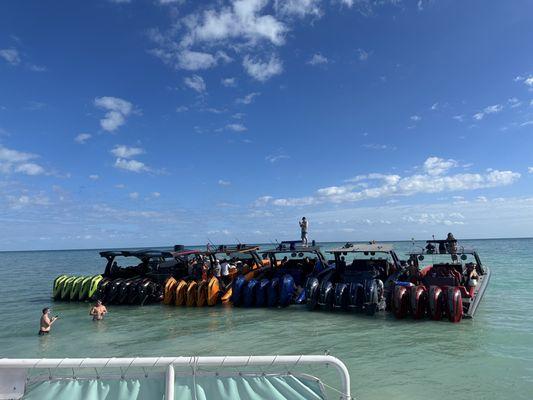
x=67, y=285
x=75, y=288
x=201, y=299
x=93, y=287
x=84, y=288
x=191, y=293
x=58, y=286
x=213, y=291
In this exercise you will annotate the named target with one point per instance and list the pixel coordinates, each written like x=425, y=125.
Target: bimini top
x=363, y=248
x=147, y=253
x=240, y=248
x=185, y=253
x=292, y=246
x=441, y=247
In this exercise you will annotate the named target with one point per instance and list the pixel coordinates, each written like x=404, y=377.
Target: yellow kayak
x=201, y=294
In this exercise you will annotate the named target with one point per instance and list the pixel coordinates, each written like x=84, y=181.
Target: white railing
x=7, y=366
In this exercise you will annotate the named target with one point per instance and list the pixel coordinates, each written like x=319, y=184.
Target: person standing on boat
x=304, y=225
x=46, y=322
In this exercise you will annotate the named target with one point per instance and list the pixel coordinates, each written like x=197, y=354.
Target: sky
x=133, y=123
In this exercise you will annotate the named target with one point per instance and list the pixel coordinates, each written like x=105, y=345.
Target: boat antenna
x=212, y=244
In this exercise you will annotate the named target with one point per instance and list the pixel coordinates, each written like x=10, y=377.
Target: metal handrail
x=171, y=362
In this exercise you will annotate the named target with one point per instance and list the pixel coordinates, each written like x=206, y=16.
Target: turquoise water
x=490, y=357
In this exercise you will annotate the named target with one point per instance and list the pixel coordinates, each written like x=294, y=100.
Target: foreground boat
x=183, y=378
x=443, y=280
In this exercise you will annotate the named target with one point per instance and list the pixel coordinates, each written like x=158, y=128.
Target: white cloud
x=12, y=56
x=18, y=162
x=459, y=118
x=262, y=70
x=82, y=138
x=362, y=54
x=29, y=169
x=438, y=166
x=228, y=82
x=133, y=195
x=496, y=108
x=530, y=170
x=318, y=59
x=514, y=102
x=377, y=146
x=222, y=182
x=37, y=68
x=121, y=151
x=117, y=111
x=415, y=118
x=181, y=109
x=377, y=186
x=156, y=194
x=94, y=177
x=298, y=8
x=195, y=82
x=529, y=81
x=236, y=127
x=248, y=99
x=195, y=60
x=242, y=21
x=272, y=158
x=434, y=106
x=130, y=165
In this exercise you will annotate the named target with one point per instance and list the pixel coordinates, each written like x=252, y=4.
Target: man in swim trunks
x=304, y=226
x=98, y=311
x=46, y=322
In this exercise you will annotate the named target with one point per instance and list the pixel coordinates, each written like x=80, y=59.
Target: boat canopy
x=363, y=248
x=442, y=247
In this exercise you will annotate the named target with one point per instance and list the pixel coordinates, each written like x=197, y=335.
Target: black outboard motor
x=112, y=290
x=326, y=294
x=312, y=291
x=342, y=296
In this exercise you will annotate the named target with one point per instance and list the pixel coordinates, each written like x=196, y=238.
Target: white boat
x=183, y=378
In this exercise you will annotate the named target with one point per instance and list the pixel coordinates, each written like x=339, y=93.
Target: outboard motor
x=419, y=301
x=357, y=295
x=273, y=293
x=436, y=302
x=401, y=301
x=261, y=294
x=112, y=290
x=286, y=290
x=371, y=296
x=312, y=289
x=237, y=290
x=249, y=291
x=342, y=296
x=455, y=304
x=326, y=294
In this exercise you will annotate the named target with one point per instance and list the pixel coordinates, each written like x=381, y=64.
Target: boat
x=201, y=287
x=139, y=283
x=185, y=378
x=361, y=280
x=444, y=280
x=281, y=282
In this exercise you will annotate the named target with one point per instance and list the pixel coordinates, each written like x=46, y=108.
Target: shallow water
x=490, y=357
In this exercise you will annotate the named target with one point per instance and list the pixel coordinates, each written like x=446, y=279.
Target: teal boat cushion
x=247, y=387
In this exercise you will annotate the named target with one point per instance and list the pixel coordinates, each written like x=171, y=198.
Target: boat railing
x=14, y=373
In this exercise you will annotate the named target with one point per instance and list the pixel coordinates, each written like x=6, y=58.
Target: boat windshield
x=365, y=255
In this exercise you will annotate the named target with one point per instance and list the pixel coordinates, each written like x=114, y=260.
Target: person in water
x=304, y=225
x=46, y=322
x=98, y=311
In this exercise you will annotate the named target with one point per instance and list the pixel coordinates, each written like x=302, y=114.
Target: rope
x=343, y=395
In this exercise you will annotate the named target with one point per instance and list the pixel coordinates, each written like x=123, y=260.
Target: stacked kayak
x=192, y=293
x=76, y=288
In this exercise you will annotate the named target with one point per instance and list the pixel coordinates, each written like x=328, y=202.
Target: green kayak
x=84, y=289
x=67, y=285
x=58, y=285
x=95, y=282
x=75, y=289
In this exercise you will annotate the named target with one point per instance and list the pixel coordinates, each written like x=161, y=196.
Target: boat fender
x=400, y=301
x=419, y=301
x=311, y=293
x=273, y=293
x=435, y=302
x=455, y=304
